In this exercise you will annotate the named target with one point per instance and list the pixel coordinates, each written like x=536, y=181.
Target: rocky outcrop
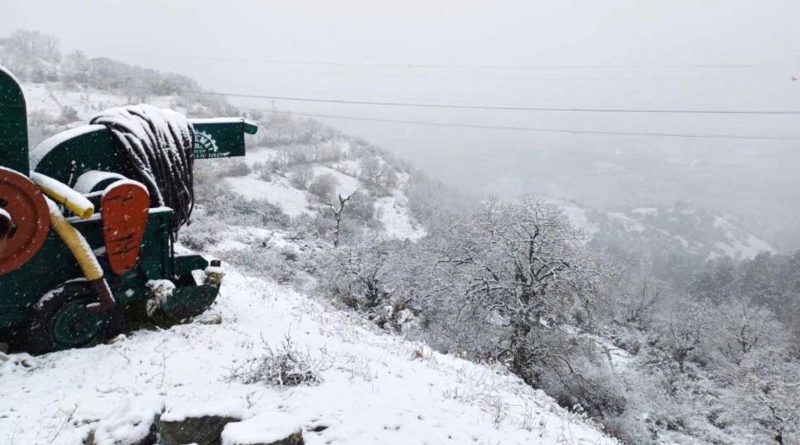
x=149, y=427
x=204, y=430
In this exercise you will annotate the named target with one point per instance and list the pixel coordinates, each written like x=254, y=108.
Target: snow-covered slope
x=278, y=191
x=694, y=231
x=376, y=388
x=51, y=98
x=390, y=208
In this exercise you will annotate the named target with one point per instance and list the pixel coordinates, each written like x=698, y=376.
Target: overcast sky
x=692, y=54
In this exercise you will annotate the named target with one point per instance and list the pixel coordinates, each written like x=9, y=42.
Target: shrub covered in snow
x=301, y=176
x=285, y=365
x=324, y=187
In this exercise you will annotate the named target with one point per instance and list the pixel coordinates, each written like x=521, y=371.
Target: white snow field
x=376, y=388
x=393, y=213
x=279, y=192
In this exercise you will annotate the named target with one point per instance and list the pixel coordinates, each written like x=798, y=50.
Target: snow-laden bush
x=301, y=176
x=629, y=428
x=354, y=276
x=584, y=386
x=324, y=187
x=285, y=365
x=220, y=207
x=264, y=171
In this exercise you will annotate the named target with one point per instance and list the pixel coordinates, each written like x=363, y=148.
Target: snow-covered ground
x=741, y=245
x=346, y=184
x=393, y=213
x=279, y=192
x=86, y=102
x=376, y=387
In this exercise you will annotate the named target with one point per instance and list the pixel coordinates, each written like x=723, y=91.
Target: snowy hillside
x=390, y=210
x=54, y=108
x=375, y=388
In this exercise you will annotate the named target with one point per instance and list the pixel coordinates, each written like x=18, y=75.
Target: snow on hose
x=159, y=144
x=64, y=195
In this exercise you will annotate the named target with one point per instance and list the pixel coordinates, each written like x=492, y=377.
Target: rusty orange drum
x=29, y=219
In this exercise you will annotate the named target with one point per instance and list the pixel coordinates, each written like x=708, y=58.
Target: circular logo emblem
x=204, y=143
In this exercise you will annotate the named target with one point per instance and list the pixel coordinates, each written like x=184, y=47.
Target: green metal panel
x=72, y=153
x=185, y=264
x=189, y=301
x=13, y=124
x=220, y=138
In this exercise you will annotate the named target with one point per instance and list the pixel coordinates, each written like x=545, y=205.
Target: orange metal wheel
x=30, y=219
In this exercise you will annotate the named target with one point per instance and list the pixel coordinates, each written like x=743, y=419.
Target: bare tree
x=77, y=67
x=338, y=208
x=378, y=172
x=684, y=331
x=25, y=53
x=772, y=396
x=744, y=327
x=521, y=263
x=638, y=304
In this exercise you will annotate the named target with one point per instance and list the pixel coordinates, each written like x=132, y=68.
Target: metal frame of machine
x=46, y=303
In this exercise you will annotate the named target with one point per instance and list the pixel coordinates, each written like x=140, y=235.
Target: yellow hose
x=75, y=242
x=64, y=195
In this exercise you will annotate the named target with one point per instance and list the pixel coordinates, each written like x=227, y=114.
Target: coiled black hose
x=159, y=145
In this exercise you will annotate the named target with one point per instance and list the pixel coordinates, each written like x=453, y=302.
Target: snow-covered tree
x=301, y=176
x=324, y=187
x=520, y=263
x=637, y=303
x=743, y=328
x=771, y=398
x=683, y=331
x=377, y=172
x=337, y=206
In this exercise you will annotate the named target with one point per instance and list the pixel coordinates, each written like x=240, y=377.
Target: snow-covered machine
x=88, y=222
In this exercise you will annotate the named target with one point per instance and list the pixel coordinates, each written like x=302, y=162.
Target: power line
x=469, y=66
x=498, y=107
x=548, y=130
